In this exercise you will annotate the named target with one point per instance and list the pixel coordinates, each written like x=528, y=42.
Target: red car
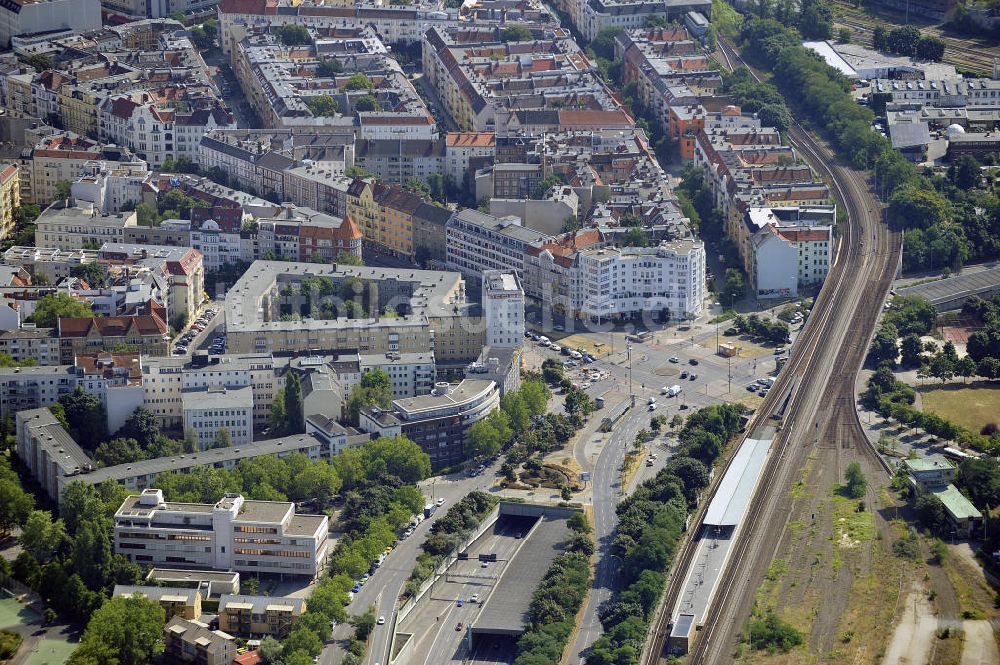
x=459, y=625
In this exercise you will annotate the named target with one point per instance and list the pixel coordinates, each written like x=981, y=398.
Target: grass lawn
x=970, y=406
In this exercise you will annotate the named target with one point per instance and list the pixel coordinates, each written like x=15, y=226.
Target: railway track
x=862, y=273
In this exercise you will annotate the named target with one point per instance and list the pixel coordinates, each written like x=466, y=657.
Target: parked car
x=380, y=621
x=694, y=377
x=684, y=374
x=693, y=361
x=459, y=625
x=674, y=359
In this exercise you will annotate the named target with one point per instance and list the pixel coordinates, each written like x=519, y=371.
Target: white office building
x=503, y=308
x=628, y=281
x=262, y=537
x=211, y=409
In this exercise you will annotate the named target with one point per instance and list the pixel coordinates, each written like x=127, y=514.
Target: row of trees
x=907, y=40
x=447, y=533
x=556, y=601
x=892, y=398
x=650, y=525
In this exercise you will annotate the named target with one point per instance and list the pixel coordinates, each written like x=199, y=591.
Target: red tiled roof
x=112, y=326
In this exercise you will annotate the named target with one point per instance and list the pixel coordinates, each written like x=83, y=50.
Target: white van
x=674, y=391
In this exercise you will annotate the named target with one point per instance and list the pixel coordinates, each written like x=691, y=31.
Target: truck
x=674, y=391
x=429, y=509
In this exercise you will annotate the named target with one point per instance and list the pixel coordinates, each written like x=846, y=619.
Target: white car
x=585, y=385
x=440, y=501
x=381, y=621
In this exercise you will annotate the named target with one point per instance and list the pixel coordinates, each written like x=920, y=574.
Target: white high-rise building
x=626, y=281
x=503, y=308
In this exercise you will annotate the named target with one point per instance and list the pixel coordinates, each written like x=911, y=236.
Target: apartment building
x=47, y=450
x=70, y=225
x=179, y=603
x=33, y=387
x=438, y=422
x=282, y=85
x=485, y=81
x=167, y=380
x=111, y=186
x=263, y=537
x=303, y=234
x=210, y=410
x=503, y=307
x=435, y=314
x=190, y=641
x=55, y=460
x=38, y=344
x=216, y=232
x=592, y=16
x=477, y=242
x=10, y=197
x=25, y=18
x=181, y=269
x=785, y=248
x=550, y=274
x=259, y=616
x=161, y=126
x=663, y=281
x=148, y=333
x=116, y=380
x=65, y=157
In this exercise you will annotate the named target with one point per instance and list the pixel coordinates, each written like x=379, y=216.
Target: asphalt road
x=385, y=586
x=450, y=644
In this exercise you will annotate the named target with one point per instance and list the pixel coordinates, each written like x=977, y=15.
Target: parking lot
x=206, y=333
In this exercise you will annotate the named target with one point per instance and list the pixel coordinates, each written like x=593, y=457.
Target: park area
x=49, y=650
x=972, y=406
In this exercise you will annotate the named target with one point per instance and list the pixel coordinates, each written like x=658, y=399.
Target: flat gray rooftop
x=945, y=291
x=506, y=609
x=738, y=484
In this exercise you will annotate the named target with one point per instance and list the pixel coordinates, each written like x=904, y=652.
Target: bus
x=640, y=336
x=958, y=455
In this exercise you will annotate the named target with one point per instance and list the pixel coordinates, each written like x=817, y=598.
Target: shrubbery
x=553, y=610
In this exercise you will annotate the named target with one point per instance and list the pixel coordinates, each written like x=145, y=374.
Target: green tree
x=93, y=273
x=359, y=81
x=417, y=186
x=119, y=451
x=968, y=172
x=911, y=349
x=86, y=418
x=41, y=536
x=294, y=35
x=857, y=485
x=734, y=287
x=63, y=190
x=124, y=631
x=91, y=552
x=191, y=443
x=635, y=237
x=279, y=419
x=914, y=207
x=517, y=411
x=223, y=439
x=146, y=215
x=844, y=36
x=322, y=105
x=366, y=103
x=329, y=67
x=535, y=395
x=932, y=513
x=293, y=404
x=374, y=389
x=318, y=481
x=270, y=650
x=348, y=259
x=52, y=307
x=302, y=639
x=482, y=440
x=15, y=504
x=543, y=186
x=515, y=33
